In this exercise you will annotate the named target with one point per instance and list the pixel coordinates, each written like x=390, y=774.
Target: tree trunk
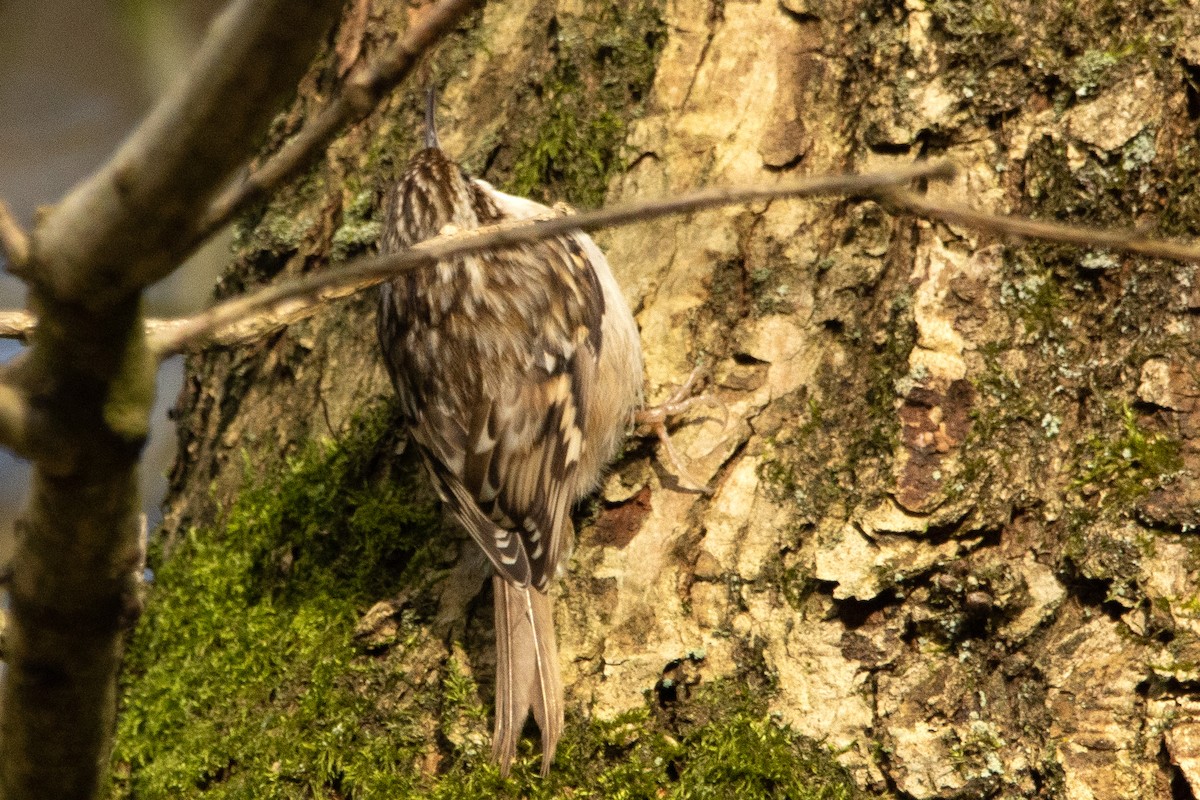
x=950, y=536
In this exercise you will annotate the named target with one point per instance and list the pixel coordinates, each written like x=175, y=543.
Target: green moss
x=796, y=584
x=581, y=154
x=1128, y=465
x=770, y=289
x=887, y=373
x=1034, y=296
x=747, y=757
x=979, y=28
x=974, y=754
x=719, y=743
x=284, y=225
x=798, y=468
x=1114, y=557
x=1181, y=210
x=779, y=476
x=603, y=67
x=242, y=679
x=1091, y=70
x=830, y=457
x=1065, y=52
x=358, y=230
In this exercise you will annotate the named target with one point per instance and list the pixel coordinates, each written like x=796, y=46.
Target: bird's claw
x=654, y=420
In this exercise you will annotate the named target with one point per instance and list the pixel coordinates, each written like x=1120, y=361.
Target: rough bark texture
x=952, y=533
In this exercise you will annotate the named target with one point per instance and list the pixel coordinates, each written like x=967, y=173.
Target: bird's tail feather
x=527, y=676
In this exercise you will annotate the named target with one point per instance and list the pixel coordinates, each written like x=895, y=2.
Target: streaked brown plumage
x=518, y=372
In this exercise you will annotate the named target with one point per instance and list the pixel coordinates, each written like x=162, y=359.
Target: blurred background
x=75, y=76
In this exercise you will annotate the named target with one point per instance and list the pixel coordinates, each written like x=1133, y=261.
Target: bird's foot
x=654, y=420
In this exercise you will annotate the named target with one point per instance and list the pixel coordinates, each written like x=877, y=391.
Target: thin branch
x=20, y=325
x=125, y=227
x=292, y=296
x=247, y=319
x=17, y=325
x=1007, y=225
x=169, y=337
x=362, y=92
x=14, y=242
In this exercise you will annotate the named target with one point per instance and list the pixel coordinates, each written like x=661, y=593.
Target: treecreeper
x=518, y=373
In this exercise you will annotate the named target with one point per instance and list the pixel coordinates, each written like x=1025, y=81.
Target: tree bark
x=951, y=528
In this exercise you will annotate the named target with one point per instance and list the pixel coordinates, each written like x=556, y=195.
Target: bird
x=518, y=372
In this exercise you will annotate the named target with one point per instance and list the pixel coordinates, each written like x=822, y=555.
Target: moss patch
x=998, y=51
x=1129, y=464
x=602, y=68
x=242, y=679
x=358, y=231
x=719, y=743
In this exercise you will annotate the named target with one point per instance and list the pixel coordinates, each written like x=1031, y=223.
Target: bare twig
x=362, y=92
x=13, y=239
x=247, y=319
x=126, y=226
x=17, y=325
x=20, y=325
x=171, y=336
x=294, y=296
x=1006, y=225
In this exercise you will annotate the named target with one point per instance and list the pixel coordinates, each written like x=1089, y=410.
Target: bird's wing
x=505, y=455
x=536, y=460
